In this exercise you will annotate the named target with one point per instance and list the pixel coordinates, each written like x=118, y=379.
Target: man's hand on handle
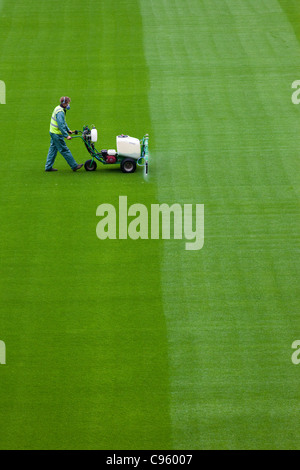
x=70, y=133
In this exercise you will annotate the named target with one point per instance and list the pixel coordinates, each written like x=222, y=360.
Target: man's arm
x=61, y=122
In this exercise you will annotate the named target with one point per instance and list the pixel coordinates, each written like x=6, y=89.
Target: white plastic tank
x=94, y=135
x=128, y=146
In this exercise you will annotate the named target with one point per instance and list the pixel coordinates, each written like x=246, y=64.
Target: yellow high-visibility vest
x=53, y=122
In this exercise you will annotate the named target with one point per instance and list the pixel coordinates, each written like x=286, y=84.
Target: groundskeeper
x=58, y=131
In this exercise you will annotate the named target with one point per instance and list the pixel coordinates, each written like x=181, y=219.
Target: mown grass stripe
x=226, y=136
x=83, y=322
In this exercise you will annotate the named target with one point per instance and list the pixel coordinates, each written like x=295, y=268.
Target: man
x=58, y=130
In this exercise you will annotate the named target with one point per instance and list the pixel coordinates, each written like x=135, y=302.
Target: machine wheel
x=90, y=165
x=128, y=165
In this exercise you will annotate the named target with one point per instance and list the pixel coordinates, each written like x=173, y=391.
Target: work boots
x=78, y=167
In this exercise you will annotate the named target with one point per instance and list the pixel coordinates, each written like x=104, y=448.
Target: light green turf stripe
x=226, y=134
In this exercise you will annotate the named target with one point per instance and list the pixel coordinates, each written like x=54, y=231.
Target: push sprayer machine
x=130, y=153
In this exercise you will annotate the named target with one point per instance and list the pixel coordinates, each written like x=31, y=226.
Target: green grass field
x=140, y=344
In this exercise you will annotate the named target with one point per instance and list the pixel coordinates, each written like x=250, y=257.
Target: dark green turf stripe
x=82, y=319
x=292, y=10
